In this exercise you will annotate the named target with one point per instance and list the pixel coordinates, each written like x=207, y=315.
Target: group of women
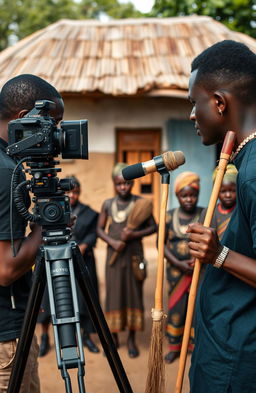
x=125, y=268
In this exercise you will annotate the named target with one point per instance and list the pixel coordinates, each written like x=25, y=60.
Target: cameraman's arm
x=12, y=268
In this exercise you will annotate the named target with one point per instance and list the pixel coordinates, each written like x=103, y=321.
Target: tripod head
x=51, y=206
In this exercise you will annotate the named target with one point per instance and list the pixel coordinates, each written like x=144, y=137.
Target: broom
x=224, y=159
x=156, y=376
x=156, y=373
x=140, y=212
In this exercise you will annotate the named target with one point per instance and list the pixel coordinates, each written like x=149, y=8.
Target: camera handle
x=60, y=264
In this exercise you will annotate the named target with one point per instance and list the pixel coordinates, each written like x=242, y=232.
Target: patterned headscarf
x=117, y=170
x=230, y=175
x=185, y=179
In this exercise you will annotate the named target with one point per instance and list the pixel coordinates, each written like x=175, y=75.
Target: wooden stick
x=160, y=245
x=155, y=382
x=224, y=159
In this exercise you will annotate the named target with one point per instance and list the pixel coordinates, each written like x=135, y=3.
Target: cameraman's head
x=18, y=97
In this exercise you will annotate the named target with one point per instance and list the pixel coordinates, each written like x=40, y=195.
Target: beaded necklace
x=243, y=143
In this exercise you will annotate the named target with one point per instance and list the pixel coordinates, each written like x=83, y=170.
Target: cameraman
x=17, y=98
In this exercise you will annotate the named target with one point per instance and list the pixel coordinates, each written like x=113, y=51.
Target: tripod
x=60, y=263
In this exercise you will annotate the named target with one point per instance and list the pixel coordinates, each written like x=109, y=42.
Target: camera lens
x=52, y=212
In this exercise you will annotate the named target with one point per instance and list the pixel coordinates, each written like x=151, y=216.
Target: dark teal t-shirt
x=224, y=359
x=11, y=318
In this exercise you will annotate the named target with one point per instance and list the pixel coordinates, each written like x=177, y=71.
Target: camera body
x=36, y=135
x=52, y=210
x=37, y=140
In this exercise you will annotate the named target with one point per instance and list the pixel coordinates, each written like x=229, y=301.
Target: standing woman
x=227, y=200
x=179, y=261
x=84, y=233
x=124, y=292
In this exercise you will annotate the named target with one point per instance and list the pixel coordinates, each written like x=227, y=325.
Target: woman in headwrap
x=124, y=292
x=227, y=200
x=179, y=262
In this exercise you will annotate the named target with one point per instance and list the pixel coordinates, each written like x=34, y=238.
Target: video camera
x=36, y=135
x=36, y=140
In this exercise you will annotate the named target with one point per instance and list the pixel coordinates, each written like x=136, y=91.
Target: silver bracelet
x=221, y=257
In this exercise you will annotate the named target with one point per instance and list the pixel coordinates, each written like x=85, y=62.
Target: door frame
x=152, y=143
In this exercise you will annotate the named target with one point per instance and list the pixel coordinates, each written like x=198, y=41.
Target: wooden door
x=141, y=145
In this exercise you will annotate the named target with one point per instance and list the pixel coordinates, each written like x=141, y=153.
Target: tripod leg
x=80, y=378
x=64, y=311
x=66, y=377
x=28, y=328
x=100, y=324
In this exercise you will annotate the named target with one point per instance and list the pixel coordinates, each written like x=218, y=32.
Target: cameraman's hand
x=34, y=227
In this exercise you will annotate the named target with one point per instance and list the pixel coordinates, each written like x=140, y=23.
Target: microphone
x=169, y=161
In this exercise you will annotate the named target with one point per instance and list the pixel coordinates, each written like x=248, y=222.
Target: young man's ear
x=220, y=101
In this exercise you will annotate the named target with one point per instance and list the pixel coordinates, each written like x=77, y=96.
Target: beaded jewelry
x=243, y=143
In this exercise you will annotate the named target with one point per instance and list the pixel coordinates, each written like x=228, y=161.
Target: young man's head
x=222, y=85
x=18, y=96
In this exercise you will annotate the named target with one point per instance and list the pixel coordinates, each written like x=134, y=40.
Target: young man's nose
x=192, y=114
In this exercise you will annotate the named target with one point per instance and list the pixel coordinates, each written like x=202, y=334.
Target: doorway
x=139, y=145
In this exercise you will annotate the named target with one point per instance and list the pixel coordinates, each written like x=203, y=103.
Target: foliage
x=94, y=9
x=19, y=18
x=239, y=15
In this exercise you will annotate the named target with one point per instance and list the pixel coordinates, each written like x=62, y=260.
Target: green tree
x=112, y=8
x=239, y=15
x=19, y=18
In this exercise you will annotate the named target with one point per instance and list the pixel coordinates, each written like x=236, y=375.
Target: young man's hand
x=203, y=243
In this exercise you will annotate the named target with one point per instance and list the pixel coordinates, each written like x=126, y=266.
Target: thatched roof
x=117, y=57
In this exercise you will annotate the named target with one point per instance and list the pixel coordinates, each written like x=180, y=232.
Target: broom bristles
x=156, y=367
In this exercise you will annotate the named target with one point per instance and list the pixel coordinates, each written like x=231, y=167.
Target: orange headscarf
x=185, y=179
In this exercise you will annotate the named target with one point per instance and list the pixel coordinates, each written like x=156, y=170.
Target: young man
x=222, y=90
x=17, y=98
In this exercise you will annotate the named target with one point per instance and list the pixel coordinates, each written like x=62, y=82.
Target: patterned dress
x=177, y=243
x=124, y=295
x=221, y=219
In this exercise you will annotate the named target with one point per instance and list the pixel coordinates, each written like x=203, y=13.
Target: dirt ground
x=98, y=375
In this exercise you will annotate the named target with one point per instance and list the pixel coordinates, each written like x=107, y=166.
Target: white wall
x=108, y=113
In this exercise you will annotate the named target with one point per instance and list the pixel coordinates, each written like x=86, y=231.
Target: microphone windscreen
x=180, y=158
x=173, y=159
x=133, y=171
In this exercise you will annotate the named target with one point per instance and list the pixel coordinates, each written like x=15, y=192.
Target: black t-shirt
x=11, y=319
